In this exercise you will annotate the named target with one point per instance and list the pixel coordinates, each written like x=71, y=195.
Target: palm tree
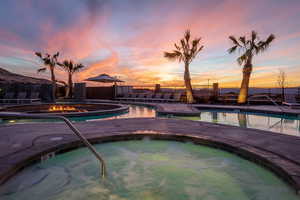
x=71, y=68
x=186, y=51
x=249, y=48
x=50, y=62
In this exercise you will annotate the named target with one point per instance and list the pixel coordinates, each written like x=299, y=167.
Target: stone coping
x=260, y=109
x=181, y=109
x=119, y=108
x=23, y=144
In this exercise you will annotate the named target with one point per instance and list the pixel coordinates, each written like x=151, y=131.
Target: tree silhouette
x=248, y=48
x=71, y=68
x=49, y=62
x=185, y=51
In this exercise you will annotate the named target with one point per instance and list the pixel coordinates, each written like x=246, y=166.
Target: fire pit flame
x=61, y=108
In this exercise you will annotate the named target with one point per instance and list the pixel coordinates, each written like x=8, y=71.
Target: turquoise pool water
x=147, y=170
x=277, y=123
x=134, y=111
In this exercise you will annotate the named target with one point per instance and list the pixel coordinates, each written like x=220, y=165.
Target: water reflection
x=242, y=119
x=134, y=111
x=281, y=124
x=214, y=117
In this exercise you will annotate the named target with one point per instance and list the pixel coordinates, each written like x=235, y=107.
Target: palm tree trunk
x=70, y=86
x=243, y=96
x=188, y=85
x=53, y=83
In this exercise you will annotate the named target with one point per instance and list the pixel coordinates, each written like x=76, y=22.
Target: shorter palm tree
x=249, y=48
x=186, y=50
x=71, y=68
x=49, y=62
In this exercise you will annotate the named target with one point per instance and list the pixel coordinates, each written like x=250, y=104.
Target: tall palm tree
x=186, y=50
x=49, y=62
x=248, y=48
x=71, y=68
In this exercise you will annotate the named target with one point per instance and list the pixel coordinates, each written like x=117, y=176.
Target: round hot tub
x=147, y=169
x=69, y=109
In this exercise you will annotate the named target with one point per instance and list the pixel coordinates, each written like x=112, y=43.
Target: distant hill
x=9, y=77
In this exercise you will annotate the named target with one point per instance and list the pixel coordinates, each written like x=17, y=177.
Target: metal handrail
x=71, y=126
x=269, y=98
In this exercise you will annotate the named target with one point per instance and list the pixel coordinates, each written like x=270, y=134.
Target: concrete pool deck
x=194, y=109
x=23, y=144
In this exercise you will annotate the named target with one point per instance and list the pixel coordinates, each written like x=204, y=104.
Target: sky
x=127, y=38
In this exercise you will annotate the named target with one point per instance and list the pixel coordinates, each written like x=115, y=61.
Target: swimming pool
x=284, y=124
x=135, y=111
x=147, y=169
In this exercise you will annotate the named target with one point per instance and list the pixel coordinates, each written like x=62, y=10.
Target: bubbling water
x=150, y=170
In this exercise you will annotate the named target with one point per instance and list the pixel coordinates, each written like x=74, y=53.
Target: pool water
x=148, y=170
x=277, y=123
x=134, y=111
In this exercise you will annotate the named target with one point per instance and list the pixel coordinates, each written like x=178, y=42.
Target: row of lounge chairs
x=291, y=101
x=22, y=97
x=150, y=97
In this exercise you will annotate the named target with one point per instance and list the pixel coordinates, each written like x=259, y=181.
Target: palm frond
x=270, y=39
x=177, y=47
x=234, y=40
x=197, y=51
x=243, y=40
x=187, y=35
x=43, y=69
x=196, y=42
x=173, y=55
x=186, y=49
x=232, y=49
x=200, y=48
x=183, y=45
x=62, y=82
x=256, y=48
x=56, y=55
x=38, y=54
x=253, y=36
x=78, y=67
x=59, y=64
x=264, y=45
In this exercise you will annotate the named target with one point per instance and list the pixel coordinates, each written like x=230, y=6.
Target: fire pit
x=69, y=109
x=63, y=108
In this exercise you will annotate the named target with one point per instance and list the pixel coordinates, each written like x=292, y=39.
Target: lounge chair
x=34, y=97
x=167, y=97
x=140, y=97
x=9, y=96
x=176, y=97
x=290, y=101
x=149, y=96
x=157, y=97
x=21, y=97
x=125, y=97
x=132, y=97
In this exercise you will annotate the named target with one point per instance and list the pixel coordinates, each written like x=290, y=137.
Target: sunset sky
x=127, y=38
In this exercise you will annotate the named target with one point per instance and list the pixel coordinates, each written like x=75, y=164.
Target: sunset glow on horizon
x=127, y=38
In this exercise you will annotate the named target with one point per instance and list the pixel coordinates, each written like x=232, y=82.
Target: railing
x=71, y=126
x=269, y=98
